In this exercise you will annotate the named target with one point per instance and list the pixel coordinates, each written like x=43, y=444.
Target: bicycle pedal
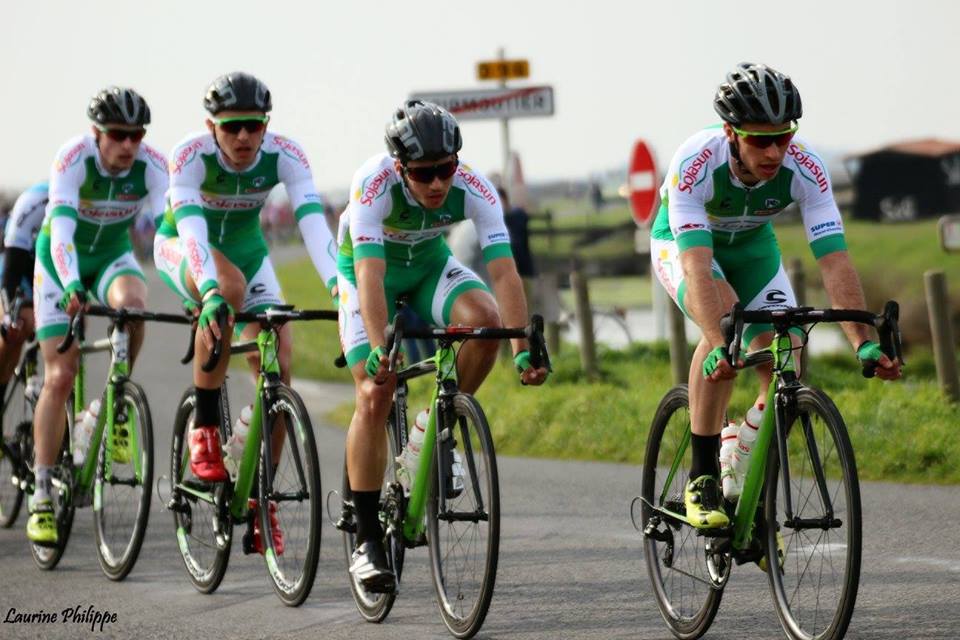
x=247, y=542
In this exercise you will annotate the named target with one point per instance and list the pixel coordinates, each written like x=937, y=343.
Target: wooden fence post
x=941, y=332
x=581, y=298
x=798, y=280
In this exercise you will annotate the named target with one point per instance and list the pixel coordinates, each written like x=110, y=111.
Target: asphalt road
x=571, y=564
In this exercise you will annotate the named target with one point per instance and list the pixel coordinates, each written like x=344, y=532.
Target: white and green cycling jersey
x=703, y=204
x=383, y=220
x=212, y=205
x=86, y=231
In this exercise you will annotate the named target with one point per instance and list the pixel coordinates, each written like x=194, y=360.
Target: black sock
x=367, y=504
x=706, y=456
x=208, y=407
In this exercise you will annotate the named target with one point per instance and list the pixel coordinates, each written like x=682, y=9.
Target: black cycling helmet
x=757, y=94
x=119, y=105
x=237, y=91
x=422, y=131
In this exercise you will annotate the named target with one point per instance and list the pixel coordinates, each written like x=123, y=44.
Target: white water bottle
x=233, y=449
x=411, y=453
x=728, y=476
x=32, y=387
x=83, y=427
x=746, y=439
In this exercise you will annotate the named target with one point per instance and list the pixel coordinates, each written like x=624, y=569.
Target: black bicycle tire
x=465, y=405
x=133, y=394
x=218, y=568
x=380, y=604
x=814, y=398
x=10, y=513
x=676, y=398
x=296, y=597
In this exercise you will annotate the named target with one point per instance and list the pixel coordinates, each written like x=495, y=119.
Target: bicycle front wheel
x=17, y=421
x=685, y=572
x=463, y=517
x=204, y=529
x=817, y=548
x=123, y=485
x=292, y=489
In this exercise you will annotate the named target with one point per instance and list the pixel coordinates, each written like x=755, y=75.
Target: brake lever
x=214, y=358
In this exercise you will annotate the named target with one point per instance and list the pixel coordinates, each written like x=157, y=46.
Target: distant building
x=906, y=180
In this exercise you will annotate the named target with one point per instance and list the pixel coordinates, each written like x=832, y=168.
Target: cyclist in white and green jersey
x=210, y=248
x=98, y=185
x=391, y=243
x=713, y=244
x=19, y=242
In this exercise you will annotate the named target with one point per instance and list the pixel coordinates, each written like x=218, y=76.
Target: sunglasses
x=763, y=139
x=427, y=174
x=252, y=124
x=119, y=135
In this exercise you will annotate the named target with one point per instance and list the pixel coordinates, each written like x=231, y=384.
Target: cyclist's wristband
x=522, y=361
x=373, y=361
x=208, y=314
x=75, y=288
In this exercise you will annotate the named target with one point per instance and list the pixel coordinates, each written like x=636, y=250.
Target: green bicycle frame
x=756, y=470
x=118, y=344
x=413, y=523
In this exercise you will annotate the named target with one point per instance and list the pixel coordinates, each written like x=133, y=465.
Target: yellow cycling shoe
x=704, y=506
x=120, y=448
x=42, y=525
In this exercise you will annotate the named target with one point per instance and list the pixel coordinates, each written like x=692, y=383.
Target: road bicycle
x=453, y=506
x=279, y=455
x=116, y=472
x=799, y=509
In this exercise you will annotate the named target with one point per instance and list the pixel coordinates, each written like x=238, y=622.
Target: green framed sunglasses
x=763, y=139
x=233, y=125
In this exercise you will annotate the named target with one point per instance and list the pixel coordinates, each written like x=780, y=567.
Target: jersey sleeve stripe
x=701, y=238
x=63, y=210
x=187, y=211
x=498, y=250
x=307, y=209
x=828, y=244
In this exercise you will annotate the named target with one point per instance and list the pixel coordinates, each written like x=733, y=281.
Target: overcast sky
x=869, y=72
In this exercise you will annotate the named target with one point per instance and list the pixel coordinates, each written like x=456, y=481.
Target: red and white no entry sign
x=642, y=183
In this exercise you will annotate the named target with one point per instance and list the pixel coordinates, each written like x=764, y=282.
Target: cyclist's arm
x=17, y=265
x=308, y=210
x=373, y=301
x=66, y=176
x=19, y=238
x=158, y=181
x=842, y=283
x=508, y=289
x=187, y=206
x=703, y=299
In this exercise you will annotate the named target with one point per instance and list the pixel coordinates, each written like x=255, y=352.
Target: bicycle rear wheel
x=123, y=485
x=294, y=486
x=374, y=607
x=204, y=530
x=16, y=420
x=815, y=589
x=685, y=572
x=63, y=501
x=463, y=517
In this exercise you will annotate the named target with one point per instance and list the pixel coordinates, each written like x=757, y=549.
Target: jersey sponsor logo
x=359, y=239
x=185, y=156
x=213, y=201
x=475, y=185
x=811, y=163
x=826, y=228
x=453, y=273
x=127, y=192
x=155, y=157
x=100, y=214
x=62, y=258
x=374, y=189
x=68, y=159
x=690, y=226
x=258, y=289
x=290, y=149
x=170, y=253
x=443, y=220
x=686, y=177
x=497, y=236
x=776, y=296
x=196, y=259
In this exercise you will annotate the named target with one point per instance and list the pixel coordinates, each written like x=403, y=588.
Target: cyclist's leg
x=49, y=417
x=11, y=347
x=121, y=283
x=708, y=400
x=453, y=294
x=366, y=438
x=206, y=460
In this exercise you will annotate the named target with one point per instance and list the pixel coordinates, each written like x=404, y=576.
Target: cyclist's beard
x=741, y=167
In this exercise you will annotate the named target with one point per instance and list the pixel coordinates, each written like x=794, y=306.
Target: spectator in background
x=518, y=223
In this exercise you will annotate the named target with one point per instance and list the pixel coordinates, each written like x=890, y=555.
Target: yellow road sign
x=503, y=69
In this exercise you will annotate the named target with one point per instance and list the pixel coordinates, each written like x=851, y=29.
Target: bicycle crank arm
x=813, y=523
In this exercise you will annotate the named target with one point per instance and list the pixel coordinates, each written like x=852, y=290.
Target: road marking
x=949, y=565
